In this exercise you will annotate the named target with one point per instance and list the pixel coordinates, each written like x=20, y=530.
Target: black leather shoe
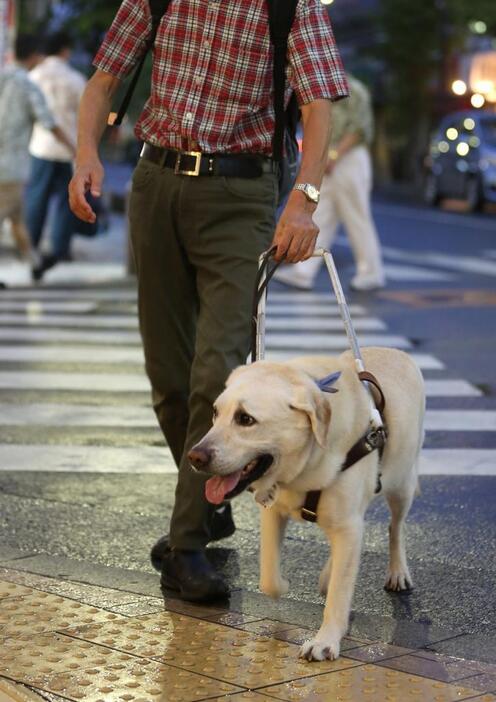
x=47, y=261
x=192, y=576
x=222, y=527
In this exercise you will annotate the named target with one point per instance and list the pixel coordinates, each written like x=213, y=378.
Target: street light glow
x=459, y=87
x=443, y=147
x=477, y=100
x=462, y=148
x=478, y=27
x=452, y=133
x=327, y=2
x=469, y=124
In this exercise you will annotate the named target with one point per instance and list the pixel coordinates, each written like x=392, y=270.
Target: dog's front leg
x=346, y=542
x=272, y=527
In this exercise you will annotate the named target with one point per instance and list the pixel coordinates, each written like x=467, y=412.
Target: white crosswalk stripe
x=90, y=327
x=46, y=414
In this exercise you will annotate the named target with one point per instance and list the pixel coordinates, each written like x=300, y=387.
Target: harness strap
x=367, y=377
x=309, y=509
x=374, y=439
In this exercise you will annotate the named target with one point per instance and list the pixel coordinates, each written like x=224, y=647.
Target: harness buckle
x=182, y=171
x=308, y=514
x=375, y=439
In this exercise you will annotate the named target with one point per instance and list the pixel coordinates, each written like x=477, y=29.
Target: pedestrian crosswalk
x=71, y=367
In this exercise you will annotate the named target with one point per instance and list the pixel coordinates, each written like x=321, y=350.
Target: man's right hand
x=88, y=177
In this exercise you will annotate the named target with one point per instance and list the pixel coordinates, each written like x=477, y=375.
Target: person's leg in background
x=352, y=193
x=303, y=275
x=37, y=197
x=11, y=209
x=64, y=221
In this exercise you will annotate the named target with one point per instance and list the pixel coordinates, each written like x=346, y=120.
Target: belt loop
x=163, y=158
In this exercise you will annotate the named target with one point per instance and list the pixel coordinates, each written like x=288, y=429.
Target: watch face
x=313, y=193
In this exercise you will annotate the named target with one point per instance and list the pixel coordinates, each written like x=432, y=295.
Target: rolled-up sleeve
x=126, y=39
x=315, y=67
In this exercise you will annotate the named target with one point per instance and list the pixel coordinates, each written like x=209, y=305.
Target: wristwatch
x=310, y=191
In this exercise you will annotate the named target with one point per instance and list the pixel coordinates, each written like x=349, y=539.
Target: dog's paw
x=267, y=497
x=274, y=588
x=320, y=650
x=398, y=581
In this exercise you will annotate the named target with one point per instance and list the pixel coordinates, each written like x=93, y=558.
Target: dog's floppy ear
x=318, y=410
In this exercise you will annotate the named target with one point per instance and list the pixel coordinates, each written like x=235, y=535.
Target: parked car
x=461, y=163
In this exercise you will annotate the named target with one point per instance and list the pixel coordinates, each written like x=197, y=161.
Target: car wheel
x=473, y=194
x=431, y=189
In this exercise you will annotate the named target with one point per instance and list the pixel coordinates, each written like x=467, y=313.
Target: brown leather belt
x=196, y=163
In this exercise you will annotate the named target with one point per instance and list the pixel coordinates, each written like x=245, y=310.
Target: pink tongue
x=216, y=488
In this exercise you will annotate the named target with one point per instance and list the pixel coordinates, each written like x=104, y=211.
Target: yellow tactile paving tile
x=13, y=590
x=39, y=611
x=142, y=681
x=11, y=692
x=368, y=683
x=224, y=653
x=32, y=659
x=243, y=697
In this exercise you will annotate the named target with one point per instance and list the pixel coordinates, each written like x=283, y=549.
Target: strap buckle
x=308, y=514
x=375, y=439
x=182, y=171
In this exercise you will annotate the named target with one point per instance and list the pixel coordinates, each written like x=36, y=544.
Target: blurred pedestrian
x=202, y=210
x=22, y=105
x=345, y=196
x=51, y=161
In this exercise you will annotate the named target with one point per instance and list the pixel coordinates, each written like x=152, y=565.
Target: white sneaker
x=287, y=275
x=367, y=281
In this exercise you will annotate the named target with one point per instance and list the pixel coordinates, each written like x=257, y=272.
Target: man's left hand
x=296, y=232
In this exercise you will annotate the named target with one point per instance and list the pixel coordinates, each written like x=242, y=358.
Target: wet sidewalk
x=62, y=640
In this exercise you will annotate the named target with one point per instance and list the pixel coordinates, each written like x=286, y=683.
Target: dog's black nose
x=199, y=457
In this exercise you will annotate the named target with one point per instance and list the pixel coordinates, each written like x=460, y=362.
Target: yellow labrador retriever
x=277, y=432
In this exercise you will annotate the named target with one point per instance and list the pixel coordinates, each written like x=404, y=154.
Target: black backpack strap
x=281, y=16
x=158, y=8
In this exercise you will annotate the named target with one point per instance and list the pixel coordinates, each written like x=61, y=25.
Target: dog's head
x=268, y=415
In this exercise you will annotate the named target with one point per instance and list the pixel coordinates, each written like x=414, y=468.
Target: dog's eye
x=244, y=420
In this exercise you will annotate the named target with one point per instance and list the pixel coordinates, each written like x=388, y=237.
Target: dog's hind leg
x=399, y=501
x=272, y=528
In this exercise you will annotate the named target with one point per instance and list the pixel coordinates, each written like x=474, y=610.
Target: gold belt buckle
x=195, y=171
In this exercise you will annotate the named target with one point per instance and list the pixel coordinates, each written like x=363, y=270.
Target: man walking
x=202, y=210
x=22, y=105
x=345, y=197
x=51, y=169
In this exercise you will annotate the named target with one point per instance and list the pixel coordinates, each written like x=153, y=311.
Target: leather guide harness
x=372, y=440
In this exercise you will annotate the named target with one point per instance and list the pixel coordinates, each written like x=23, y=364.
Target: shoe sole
x=172, y=585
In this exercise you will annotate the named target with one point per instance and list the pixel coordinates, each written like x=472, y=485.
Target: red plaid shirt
x=212, y=70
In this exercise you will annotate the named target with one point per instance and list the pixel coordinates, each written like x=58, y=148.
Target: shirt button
x=189, y=116
x=206, y=44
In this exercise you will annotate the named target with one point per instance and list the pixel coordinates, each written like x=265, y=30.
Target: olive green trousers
x=196, y=243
